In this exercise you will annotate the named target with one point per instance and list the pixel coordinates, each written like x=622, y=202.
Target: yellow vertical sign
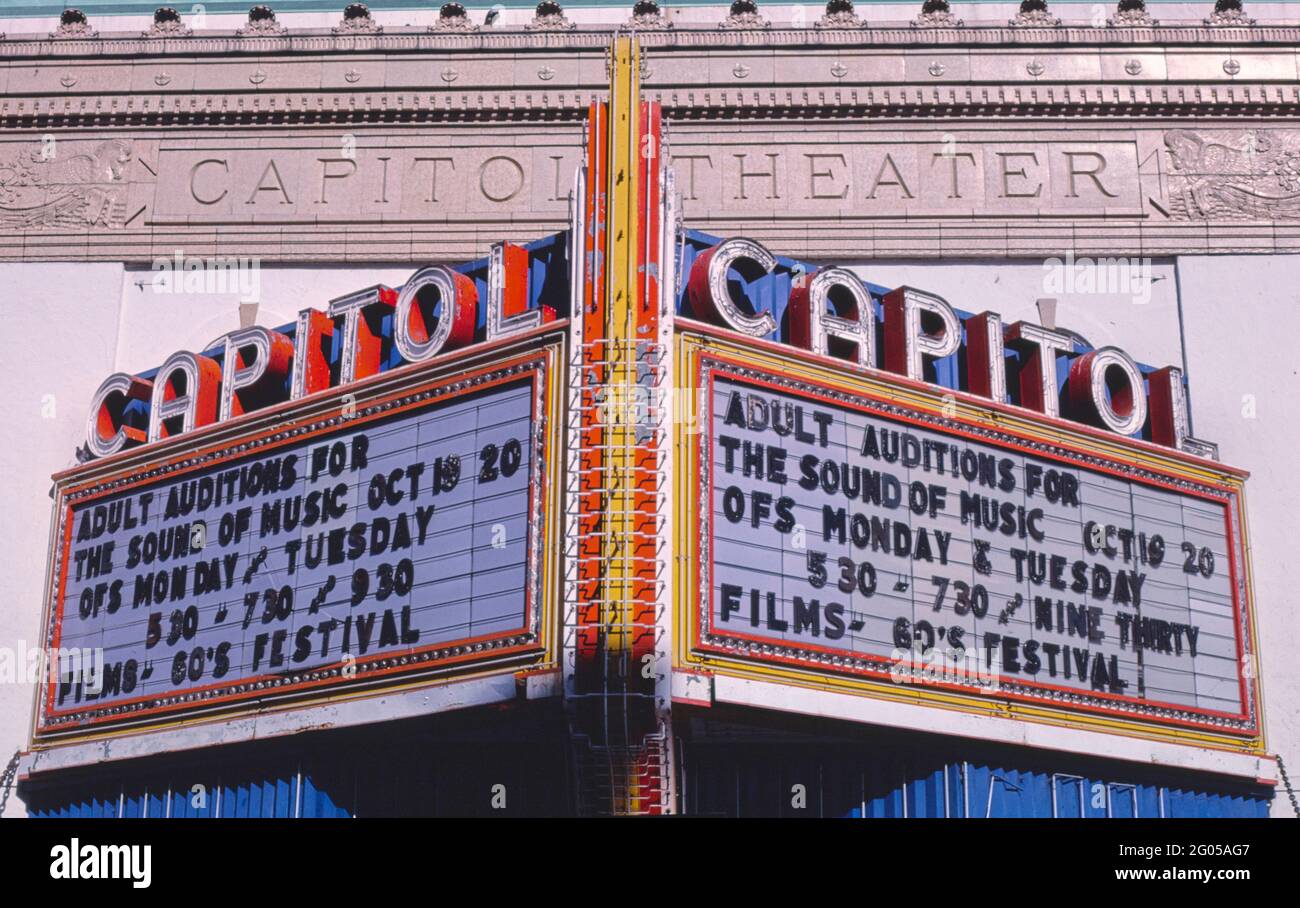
x=622, y=193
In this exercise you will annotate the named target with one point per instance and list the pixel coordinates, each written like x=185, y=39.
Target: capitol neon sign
x=259, y=366
x=830, y=312
x=831, y=308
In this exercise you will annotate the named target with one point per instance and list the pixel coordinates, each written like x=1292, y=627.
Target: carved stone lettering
x=361, y=183
x=948, y=177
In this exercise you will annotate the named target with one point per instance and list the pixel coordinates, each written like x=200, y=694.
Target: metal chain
x=11, y=771
x=1286, y=781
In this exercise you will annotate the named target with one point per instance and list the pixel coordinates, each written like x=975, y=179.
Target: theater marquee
x=395, y=529
x=852, y=526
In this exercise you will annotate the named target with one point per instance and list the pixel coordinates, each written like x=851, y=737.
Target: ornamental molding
x=745, y=21
x=940, y=18
x=67, y=30
x=649, y=21
x=1132, y=18
x=566, y=102
x=867, y=75
x=407, y=39
x=452, y=25
x=1229, y=18
x=169, y=27
x=550, y=18
x=842, y=19
x=261, y=24
x=358, y=25
x=1035, y=18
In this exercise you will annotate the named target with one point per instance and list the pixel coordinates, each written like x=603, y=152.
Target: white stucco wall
x=1241, y=316
x=60, y=330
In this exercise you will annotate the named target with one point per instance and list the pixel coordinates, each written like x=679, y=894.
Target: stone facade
x=387, y=145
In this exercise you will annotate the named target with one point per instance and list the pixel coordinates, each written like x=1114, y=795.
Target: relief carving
x=261, y=24
x=453, y=18
x=549, y=18
x=73, y=24
x=167, y=23
x=1229, y=13
x=1132, y=14
x=1034, y=14
x=647, y=15
x=1239, y=175
x=43, y=189
x=357, y=21
x=840, y=14
x=744, y=14
x=936, y=14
